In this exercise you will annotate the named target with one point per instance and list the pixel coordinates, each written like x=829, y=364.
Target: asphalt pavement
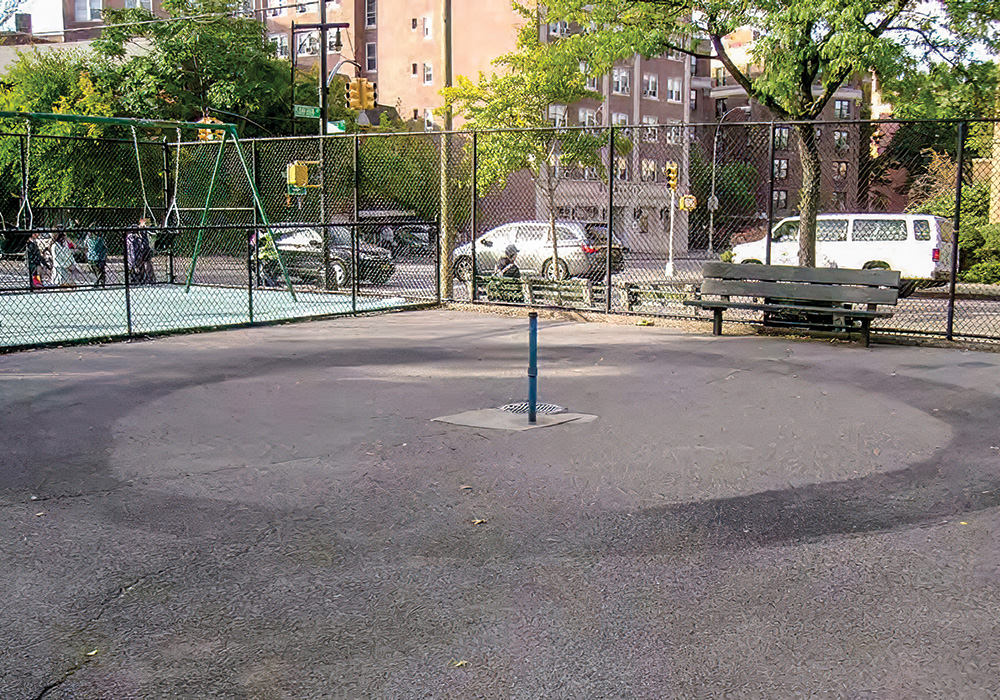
x=274, y=513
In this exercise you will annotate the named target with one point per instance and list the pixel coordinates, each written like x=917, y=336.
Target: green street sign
x=306, y=111
x=293, y=190
x=336, y=127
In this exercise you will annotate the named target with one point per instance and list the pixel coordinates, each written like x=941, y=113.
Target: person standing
x=64, y=267
x=506, y=267
x=140, y=254
x=97, y=257
x=36, y=262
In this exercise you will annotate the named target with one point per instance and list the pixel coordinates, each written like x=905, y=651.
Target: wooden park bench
x=542, y=291
x=814, y=298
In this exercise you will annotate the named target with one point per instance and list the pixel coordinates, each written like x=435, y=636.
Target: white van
x=917, y=245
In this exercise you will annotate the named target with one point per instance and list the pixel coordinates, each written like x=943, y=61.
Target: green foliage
x=978, y=240
x=797, y=47
x=192, y=66
x=528, y=82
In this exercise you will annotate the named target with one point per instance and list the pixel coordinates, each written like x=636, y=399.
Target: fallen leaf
x=465, y=488
x=91, y=653
x=963, y=523
x=479, y=521
x=457, y=664
x=38, y=514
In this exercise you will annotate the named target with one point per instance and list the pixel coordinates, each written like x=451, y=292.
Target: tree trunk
x=810, y=194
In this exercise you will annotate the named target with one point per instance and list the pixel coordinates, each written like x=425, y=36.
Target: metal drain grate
x=548, y=408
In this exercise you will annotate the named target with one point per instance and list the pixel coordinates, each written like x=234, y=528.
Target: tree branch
x=742, y=79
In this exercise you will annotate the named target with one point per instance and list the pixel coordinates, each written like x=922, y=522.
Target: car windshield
x=340, y=236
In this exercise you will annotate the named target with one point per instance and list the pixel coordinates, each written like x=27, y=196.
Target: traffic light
x=209, y=134
x=353, y=92
x=671, y=170
x=369, y=94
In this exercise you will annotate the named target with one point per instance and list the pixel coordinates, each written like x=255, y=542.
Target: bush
x=727, y=256
x=983, y=273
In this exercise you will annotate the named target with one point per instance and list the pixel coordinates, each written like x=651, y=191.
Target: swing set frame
x=229, y=133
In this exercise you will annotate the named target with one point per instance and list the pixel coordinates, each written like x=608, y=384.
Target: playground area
x=275, y=512
x=78, y=315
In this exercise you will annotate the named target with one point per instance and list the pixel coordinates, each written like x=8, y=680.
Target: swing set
x=228, y=134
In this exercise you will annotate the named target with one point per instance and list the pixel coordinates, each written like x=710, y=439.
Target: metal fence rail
x=390, y=220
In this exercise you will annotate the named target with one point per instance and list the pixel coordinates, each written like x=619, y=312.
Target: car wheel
x=463, y=269
x=561, y=271
x=381, y=276
x=752, y=261
x=339, y=274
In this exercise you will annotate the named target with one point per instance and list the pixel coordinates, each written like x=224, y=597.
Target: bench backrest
x=801, y=283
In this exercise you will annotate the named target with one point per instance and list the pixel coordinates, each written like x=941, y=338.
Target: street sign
x=338, y=127
x=306, y=111
x=294, y=190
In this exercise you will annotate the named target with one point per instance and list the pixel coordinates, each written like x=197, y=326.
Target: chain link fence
x=615, y=219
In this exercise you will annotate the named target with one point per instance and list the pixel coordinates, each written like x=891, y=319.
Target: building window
x=559, y=29
x=428, y=74
x=306, y=7
x=413, y=71
x=675, y=135
x=840, y=141
x=144, y=4
x=620, y=81
x=371, y=14
x=589, y=172
x=693, y=100
x=840, y=170
x=694, y=66
x=621, y=168
x=648, y=170
x=370, y=56
x=88, y=10
x=557, y=115
x=280, y=42
x=428, y=27
x=650, y=132
x=274, y=8
x=308, y=44
x=331, y=43
x=780, y=171
x=619, y=119
x=839, y=201
x=842, y=109
x=587, y=116
x=413, y=26
x=428, y=120
x=781, y=135
x=591, y=83
x=780, y=199
x=651, y=86
x=674, y=86
x=674, y=55
x=720, y=108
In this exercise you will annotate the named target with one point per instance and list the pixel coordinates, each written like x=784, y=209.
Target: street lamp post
x=713, y=202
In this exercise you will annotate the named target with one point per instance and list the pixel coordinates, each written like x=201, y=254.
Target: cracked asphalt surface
x=271, y=513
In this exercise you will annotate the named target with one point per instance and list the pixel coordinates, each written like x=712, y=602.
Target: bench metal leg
x=716, y=321
x=866, y=327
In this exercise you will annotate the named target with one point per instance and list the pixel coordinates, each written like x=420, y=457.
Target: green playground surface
x=78, y=314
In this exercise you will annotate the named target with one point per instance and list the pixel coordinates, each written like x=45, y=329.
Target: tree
x=8, y=8
x=214, y=59
x=804, y=51
x=517, y=99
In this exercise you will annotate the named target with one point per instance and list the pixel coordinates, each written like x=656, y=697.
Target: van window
x=946, y=229
x=922, y=229
x=831, y=230
x=879, y=230
x=785, y=232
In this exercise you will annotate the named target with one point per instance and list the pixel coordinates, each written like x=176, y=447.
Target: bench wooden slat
x=794, y=273
x=795, y=290
x=831, y=310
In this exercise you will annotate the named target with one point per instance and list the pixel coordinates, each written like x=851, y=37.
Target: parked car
x=917, y=245
x=407, y=239
x=581, y=250
x=301, y=250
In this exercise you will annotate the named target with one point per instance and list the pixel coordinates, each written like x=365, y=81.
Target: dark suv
x=301, y=250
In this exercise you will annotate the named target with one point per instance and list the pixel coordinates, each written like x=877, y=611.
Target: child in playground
x=64, y=267
x=97, y=257
x=140, y=255
x=36, y=262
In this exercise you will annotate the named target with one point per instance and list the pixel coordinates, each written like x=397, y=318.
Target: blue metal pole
x=532, y=365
